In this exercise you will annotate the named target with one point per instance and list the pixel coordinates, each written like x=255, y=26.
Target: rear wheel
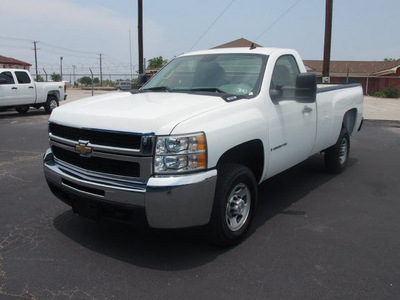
x=337, y=156
x=234, y=204
x=51, y=104
x=22, y=110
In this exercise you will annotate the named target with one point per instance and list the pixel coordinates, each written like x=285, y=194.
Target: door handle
x=14, y=88
x=306, y=110
x=31, y=87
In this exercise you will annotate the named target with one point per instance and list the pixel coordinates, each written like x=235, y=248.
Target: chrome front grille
x=95, y=153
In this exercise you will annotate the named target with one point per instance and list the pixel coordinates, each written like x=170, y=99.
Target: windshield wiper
x=158, y=88
x=207, y=89
x=225, y=95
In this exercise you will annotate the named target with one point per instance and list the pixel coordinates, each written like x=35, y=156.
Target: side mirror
x=142, y=79
x=3, y=81
x=306, y=87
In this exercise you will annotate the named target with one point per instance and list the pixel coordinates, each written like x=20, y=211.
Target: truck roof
x=241, y=50
x=9, y=69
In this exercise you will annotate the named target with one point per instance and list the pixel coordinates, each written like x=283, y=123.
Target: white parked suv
x=123, y=85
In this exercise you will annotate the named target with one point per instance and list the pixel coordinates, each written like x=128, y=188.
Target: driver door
x=291, y=124
x=8, y=89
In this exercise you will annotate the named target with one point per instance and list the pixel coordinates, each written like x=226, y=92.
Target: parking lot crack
x=28, y=237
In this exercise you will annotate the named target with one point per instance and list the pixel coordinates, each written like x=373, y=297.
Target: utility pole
x=101, y=71
x=327, y=44
x=61, y=58
x=73, y=72
x=140, y=35
x=130, y=54
x=36, y=66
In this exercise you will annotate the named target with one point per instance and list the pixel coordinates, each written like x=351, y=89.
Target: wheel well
x=349, y=120
x=250, y=154
x=53, y=93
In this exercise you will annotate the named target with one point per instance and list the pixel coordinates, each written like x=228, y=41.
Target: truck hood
x=144, y=113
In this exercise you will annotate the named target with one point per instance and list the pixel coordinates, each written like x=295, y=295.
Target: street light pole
x=101, y=70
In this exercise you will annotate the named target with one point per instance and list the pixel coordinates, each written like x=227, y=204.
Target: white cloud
x=77, y=26
x=64, y=12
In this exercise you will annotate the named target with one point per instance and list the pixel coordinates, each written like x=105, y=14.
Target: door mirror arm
x=142, y=79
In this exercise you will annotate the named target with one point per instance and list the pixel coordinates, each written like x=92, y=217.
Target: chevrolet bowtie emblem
x=83, y=148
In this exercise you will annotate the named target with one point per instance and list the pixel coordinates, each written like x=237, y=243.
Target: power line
x=15, y=39
x=49, y=45
x=53, y=49
x=215, y=21
x=277, y=20
x=14, y=47
x=67, y=49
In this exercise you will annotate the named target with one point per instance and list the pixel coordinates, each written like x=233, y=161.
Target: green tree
x=86, y=80
x=108, y=82
x=55, y=77
x=156, y=62
x=39, y=78
x=134, y=83
x=96, y=80
x=391, y=92
x=389, y=59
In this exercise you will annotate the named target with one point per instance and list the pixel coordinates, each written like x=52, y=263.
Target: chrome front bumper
x=169, y=201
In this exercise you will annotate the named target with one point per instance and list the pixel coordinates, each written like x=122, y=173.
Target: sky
x=80, y=31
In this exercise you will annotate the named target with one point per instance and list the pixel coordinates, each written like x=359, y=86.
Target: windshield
x=232, y=74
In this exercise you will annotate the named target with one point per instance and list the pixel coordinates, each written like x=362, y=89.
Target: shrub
x=391, y=92
x=378, y=94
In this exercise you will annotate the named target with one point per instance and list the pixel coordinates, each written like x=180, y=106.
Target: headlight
x=183, y=153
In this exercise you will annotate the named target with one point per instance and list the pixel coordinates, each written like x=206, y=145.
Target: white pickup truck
x=190, y=147
x=19, y=91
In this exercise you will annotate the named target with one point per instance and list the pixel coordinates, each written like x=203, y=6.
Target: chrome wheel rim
x=53, y=104
x=343, y=152
x=238, y=207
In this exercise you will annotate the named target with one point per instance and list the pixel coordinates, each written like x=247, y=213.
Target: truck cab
x=16, y=88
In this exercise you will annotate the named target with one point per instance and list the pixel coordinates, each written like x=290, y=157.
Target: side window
x=284, y=75
x=7, y=76
x=22, y=77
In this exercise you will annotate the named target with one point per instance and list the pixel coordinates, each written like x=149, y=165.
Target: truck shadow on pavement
x=11, y=113
x=187, y=249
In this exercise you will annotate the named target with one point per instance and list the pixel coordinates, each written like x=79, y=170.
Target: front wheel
x=337, y=156
x=51, y=104
x=234, y=204
x=22, y=110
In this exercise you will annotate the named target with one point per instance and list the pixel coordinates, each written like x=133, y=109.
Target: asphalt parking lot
x=315, y=235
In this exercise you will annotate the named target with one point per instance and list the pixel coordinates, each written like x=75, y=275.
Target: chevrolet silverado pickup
x=191, y=145
x=19, y=91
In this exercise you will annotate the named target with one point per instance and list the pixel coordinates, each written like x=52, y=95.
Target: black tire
x=234, y=205
x=51, y=104
x=337, y=156
x=22, y=110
